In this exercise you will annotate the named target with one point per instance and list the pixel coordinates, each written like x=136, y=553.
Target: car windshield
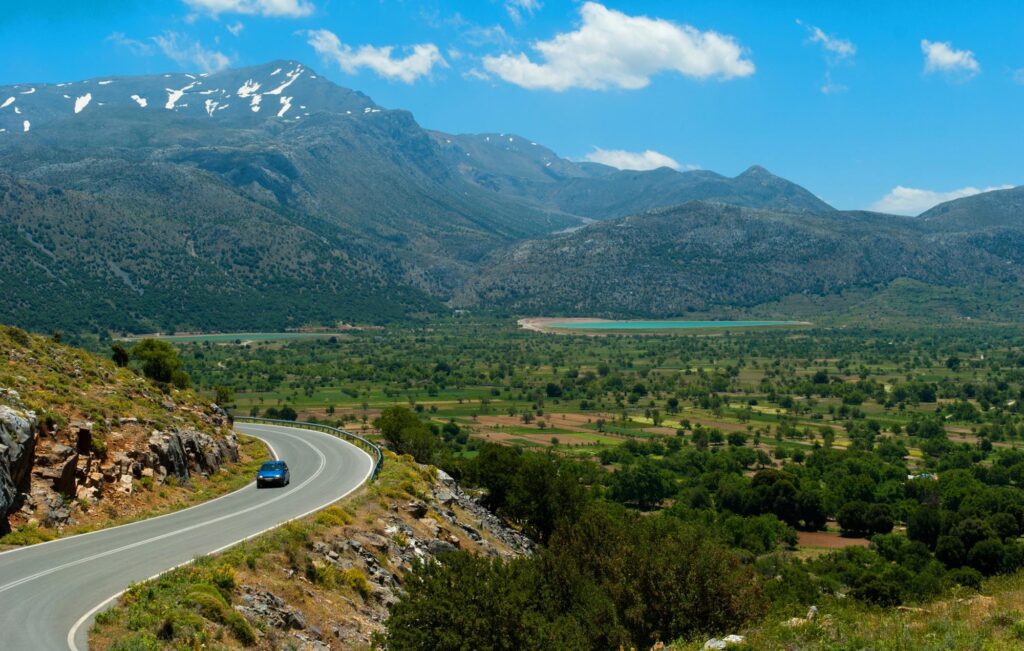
x=272, y=465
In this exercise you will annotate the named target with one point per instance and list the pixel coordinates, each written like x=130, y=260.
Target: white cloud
x=138, y=48
x=416, y=64
x=941, y=57
x=830, y=87
x=516, y=9
x=837, y=51
x=479, y=36
x=279, y=8
x=613, y=50
x=840, y=48
x=236, y=28
x=476, y=74
x=188, y=53
x=633, y=160
x=914, y=201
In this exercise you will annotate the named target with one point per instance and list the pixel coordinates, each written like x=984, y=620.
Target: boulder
x=724, y=643
x=296, y=620
x=125, y=484
x=437, y=547
x=17, y=452
x=66, y=483
x=89, y=493
x=57, y=516
x=416, y=509
x=82, y=431
x=168, y=449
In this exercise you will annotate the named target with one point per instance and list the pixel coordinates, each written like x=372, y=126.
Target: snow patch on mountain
x=141, y=101
x=82, y=102
x=286, y=103
x=292, y=76
x=105, y=82
x=174, y=95
x=248, y=88
x=28, y=92
x=26, y=125
x=255, y=105
x=7, y=102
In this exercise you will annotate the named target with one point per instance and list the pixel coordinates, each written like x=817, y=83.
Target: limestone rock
x=17, y=452
x=66, y=483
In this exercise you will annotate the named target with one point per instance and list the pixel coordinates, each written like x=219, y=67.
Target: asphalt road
x=49, y=593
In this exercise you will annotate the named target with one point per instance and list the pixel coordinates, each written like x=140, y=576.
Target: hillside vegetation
x=325, y=581
x=710, y=257
x=88, y=444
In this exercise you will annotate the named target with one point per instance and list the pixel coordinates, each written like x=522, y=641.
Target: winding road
x=49, y=593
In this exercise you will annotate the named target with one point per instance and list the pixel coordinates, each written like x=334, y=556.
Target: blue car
x=273, y=473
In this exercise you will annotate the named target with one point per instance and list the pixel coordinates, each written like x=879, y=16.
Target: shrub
x=356, y=579
x=208, y=602
x=160, y=362
x=333, y=516
x=136, y=642
x=964, y=576
x=240, y=628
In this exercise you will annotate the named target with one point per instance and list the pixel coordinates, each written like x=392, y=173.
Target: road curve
x=50, y=592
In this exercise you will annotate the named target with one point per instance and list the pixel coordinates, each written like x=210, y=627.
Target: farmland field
x=882, y=464
x=238, y=337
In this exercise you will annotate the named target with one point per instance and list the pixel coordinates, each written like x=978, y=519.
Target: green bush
x=240, y=628
x=136, y=642
x=160, y=362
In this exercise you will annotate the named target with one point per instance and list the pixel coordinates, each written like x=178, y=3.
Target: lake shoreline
x=578, y=325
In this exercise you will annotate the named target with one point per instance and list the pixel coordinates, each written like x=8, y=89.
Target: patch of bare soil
x=829, y=540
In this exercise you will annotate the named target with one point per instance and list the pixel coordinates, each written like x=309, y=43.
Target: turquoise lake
x=671, y=325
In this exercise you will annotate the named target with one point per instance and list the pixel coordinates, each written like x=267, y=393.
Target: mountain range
x=269, y=197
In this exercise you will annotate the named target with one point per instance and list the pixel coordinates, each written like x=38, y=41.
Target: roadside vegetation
x=305, y=578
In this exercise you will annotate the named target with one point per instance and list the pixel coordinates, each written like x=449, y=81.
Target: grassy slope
x=990, y=620
x=63, y=384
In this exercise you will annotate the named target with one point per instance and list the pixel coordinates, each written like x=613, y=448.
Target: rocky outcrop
x=449, y=494
x=47, y=471
x=182, y=452
x=444, y=519
x=267, y=607
x=17, y=450
x=335, y=591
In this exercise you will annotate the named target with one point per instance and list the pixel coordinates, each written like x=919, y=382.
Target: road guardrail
x=355, y=439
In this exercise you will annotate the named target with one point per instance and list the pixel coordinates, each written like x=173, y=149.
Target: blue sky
x=870, y=104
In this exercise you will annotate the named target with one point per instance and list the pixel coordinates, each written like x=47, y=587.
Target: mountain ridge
x=175, y=213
